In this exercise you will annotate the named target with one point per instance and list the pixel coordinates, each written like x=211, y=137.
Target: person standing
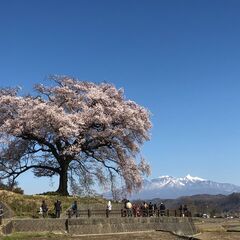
x=181, y=211
x=75, y=208
x=109, y=206
x=44, y=209
x=58, y=208
x=129, y=208
x=185, y=211
x=150, y=209
x=162, y=209
x=145, y=209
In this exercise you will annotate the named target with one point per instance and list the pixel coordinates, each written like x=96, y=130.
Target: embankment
x=79, y=226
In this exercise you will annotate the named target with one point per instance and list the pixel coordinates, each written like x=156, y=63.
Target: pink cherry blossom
x=72, y=128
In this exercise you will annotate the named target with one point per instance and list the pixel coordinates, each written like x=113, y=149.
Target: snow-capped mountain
x=170, y=187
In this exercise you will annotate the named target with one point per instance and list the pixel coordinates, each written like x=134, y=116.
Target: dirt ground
x=147, y=235
x=219, y=236
x=217, y=229
x=151, y=235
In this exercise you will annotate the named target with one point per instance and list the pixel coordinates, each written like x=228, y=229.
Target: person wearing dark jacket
x=58, y=208
x=44, y=209
x=181, y=211
x=185, y=211
x=75, y=208
x=162, y=209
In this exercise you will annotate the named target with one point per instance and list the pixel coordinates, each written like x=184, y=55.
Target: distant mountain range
x=167, y=187
x=218, y=205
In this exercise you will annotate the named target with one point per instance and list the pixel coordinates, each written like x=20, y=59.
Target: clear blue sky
x=180, y=59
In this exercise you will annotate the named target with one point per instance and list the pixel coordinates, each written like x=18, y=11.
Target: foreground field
x=219, y=236
x=148, y=235
x=216, y=229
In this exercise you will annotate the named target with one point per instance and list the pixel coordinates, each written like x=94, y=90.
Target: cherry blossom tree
x=72, y=129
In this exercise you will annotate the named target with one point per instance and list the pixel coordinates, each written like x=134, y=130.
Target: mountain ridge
x=168, y=187
x=218, y=205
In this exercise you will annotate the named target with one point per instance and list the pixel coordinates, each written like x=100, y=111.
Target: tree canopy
x=73, y=129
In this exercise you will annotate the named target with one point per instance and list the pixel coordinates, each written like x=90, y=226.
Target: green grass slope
x=28, y=205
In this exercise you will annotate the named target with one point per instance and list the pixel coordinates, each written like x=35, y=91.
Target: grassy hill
x=28, y=205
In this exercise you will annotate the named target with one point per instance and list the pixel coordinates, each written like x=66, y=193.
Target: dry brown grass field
x=147, y=235
x=218, y=229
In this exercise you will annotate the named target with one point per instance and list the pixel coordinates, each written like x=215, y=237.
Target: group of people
x=131, y=209
x=183, y=211
x=144, y=209
x=44, y=209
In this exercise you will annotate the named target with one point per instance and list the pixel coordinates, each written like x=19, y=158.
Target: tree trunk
x=63, y=182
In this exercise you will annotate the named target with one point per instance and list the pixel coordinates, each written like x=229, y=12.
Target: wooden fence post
x=107, y=212
x=89, y=213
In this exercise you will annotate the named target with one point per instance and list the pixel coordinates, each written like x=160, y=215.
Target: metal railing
x=128, y=213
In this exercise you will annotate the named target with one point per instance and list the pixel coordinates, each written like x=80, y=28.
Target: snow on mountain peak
x=187, y=178
x=164, y=181
x=193, y=179
x=165, y=176
x=172, y=187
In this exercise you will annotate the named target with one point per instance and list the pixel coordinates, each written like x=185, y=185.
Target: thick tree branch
x=18, y=172
x=30, y=137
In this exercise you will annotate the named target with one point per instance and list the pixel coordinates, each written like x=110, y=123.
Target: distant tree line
x=9, y=187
